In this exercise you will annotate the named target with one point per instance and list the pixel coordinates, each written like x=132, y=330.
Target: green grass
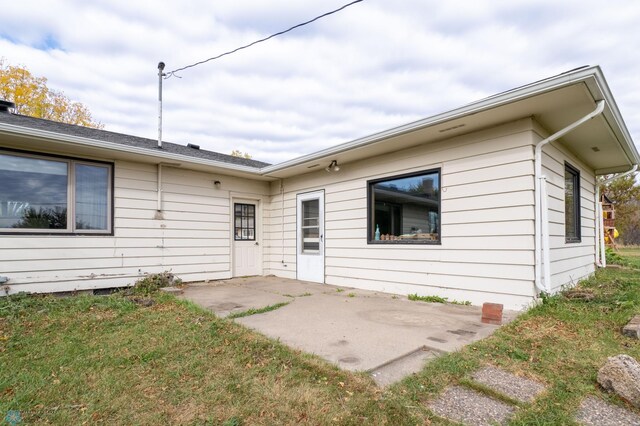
x=436, y=299
x=254, y=311
x=305, y=294
x=105, y=359
x=627, y=256
x=430, y=299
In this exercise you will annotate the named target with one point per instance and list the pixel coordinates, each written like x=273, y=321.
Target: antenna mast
x=160, y=75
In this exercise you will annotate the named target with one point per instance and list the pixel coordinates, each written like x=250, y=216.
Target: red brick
x=492, y=313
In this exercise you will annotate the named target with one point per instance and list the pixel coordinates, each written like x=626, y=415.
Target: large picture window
x=405, y=209
x=54, y=195
x=572, y=204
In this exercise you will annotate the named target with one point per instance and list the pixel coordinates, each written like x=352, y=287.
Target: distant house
x=494, y=201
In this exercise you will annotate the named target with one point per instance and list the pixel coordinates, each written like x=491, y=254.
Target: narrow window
x=54, y=195
x=405, y=209
x=572, y=204
x=92, y=200
x=245, y=222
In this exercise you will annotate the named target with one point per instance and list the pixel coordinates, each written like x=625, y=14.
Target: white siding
x=487, y=218
x=487, y=225
x=192, y=239
x=570, y=262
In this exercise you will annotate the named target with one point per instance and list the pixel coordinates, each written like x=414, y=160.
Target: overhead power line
x=172, y=73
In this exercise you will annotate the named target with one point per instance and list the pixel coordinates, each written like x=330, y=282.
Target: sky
x=375, y=65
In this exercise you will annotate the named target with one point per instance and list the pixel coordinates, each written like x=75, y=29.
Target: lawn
x=630, y=256
x=110, y=360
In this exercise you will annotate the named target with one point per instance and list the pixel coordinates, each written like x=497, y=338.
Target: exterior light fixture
x=217, y=184
x=333, y=167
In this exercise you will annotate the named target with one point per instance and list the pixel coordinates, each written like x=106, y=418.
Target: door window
x=245, y=222
x=310, y=226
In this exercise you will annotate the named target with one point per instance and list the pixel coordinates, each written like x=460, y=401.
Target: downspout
x=542, y=256
x=601, y=258
x=159, y=215
x=282, y=217
x=159, y=206
x=599, y=226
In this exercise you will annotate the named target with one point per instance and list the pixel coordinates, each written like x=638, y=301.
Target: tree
x=238, y=153
x=624, y=193
x=32, y=97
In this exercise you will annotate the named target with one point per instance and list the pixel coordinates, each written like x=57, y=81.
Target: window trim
x=575, y=173
x=371, y=209
x=71, y=190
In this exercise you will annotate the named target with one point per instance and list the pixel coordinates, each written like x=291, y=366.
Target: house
x=495, y=201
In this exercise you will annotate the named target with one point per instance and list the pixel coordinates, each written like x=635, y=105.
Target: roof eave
x=95, y=143
x=553, y=83
x=614, y=117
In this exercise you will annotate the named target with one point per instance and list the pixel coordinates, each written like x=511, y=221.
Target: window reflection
x=33, y=193
x=406, y=209
x=42, y=194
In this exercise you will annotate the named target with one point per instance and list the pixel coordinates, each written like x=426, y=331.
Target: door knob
x=257, y=243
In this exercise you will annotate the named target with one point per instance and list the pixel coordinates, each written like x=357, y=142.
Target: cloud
x=370, y=67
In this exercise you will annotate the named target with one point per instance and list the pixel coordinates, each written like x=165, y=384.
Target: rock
x=596, y=412
x=633, y=328
x=621, y=374
x=515, y=387
x=471, y=408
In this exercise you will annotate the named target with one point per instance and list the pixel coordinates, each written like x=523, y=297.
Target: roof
x=602, y=143
x=124, y=139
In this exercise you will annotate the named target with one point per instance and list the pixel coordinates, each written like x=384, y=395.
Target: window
x=54, y=195
x=245, y=222
x=571, y=204
x=405, y=209
x=311, y=226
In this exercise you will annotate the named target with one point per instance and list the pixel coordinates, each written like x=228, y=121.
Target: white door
x=247, y=257
x=310, y=237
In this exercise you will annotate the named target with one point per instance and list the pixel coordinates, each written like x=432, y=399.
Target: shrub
x=614, y=258
x=153, y=282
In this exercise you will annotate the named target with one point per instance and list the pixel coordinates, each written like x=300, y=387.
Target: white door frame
x=310, y=266
x=246, y=199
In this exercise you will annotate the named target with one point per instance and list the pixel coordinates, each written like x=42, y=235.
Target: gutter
x=601, y=258
x=542, y=245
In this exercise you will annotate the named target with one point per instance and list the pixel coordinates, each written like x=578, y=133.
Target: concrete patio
x=386, y=335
